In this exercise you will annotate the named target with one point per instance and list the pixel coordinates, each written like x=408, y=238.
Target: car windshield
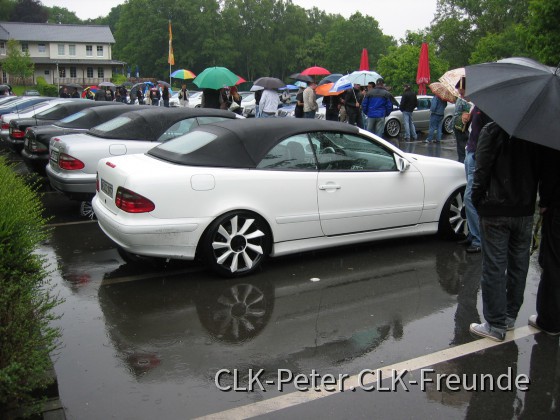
x=73, y=117
x=248, y=98
x=113, y=124
x=185, y=144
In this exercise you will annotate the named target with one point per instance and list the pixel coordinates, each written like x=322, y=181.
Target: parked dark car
x=35, y=151
x=46, y=117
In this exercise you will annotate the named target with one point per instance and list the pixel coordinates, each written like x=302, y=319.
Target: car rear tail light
x=16, y=134
x=36, y=147
x=5, y=126
x=131, y=202
x=69, y=163
x=97, y=181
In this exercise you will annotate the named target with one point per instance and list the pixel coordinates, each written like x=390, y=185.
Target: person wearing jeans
x=437, y=108
x=409, y=102
x=504, y=192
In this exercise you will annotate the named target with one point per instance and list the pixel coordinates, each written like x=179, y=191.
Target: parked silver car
x=420, y=116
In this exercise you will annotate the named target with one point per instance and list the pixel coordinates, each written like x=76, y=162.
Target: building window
x=100, y=50
x=60, y=49
x=2, y=48
x=89, y=50
x=71, y=49
x=42, y=48
x=89, y=72
x=72, y=71
x=24, y=47
x=100, y=73
x=47, y=72
x=61, y=72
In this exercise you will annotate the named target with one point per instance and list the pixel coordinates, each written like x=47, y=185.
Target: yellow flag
x=171, y=58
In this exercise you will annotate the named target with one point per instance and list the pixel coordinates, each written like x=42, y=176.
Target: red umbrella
x=315, y=71
x=423, y=74
x=364, y=61
x=240, y=80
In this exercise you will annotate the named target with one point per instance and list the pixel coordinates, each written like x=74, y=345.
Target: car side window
x=210, y=120
x=293, y=153
x=423, y=104
x=348, y=152
x=177, y=129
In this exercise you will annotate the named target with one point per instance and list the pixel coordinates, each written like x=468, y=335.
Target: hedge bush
x=27, y=336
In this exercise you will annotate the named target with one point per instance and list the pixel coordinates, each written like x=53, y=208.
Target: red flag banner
x=171, y=58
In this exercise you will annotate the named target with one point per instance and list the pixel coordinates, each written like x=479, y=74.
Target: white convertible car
x=236, y=192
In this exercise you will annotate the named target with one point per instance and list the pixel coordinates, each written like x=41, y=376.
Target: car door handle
x=330, y=187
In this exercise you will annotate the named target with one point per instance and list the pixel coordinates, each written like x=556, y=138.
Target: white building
x=63, y=53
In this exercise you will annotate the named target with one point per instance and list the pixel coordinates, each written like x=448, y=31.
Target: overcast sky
x=395, y=17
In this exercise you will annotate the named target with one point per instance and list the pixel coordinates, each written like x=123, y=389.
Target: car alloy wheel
x=236, y=243
x=86, y=210
x=447, y=124
x=452, y=222
x=393, y=127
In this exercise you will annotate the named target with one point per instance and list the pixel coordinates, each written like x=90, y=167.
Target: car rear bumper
x=71, y=183
x=36, y=163
x=149, y=236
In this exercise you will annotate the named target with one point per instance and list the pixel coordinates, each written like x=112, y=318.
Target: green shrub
x=26, y=296
x=48, y=90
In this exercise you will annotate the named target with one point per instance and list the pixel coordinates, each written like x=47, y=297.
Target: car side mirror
x=402, y=163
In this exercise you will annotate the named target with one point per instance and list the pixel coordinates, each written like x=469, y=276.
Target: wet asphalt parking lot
x=178, y=342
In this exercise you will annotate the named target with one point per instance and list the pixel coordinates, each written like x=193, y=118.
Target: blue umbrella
x=289, y=87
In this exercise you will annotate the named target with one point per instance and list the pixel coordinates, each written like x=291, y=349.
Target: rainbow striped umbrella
x=183, y=74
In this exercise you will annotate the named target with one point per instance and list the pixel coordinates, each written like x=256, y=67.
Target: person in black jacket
x=547, y=318
x=409, y=102
x=504, y=193
x=353, y=102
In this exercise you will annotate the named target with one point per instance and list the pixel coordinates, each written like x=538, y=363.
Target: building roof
x=46, y=32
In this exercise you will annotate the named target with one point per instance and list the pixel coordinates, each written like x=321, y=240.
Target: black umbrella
x=331, y=78
x=269, y=83
x=163, y=83
x=74, y=85
x=302, y=77
x=521, y=95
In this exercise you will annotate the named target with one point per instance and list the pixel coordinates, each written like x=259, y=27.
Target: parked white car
x=236, y=192
x=420, y=116
x=73, y=157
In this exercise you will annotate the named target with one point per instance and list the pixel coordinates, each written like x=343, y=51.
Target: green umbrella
x=216, y=78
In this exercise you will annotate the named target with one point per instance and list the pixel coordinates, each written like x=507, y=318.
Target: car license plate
x=107, y=188
x=54, y=156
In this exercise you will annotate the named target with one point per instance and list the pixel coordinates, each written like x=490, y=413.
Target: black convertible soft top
x=151, y=122
x=243, y=143
x=64, y=109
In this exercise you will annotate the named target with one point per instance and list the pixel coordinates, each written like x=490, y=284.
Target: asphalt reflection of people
x=542, y=400
x=467, y=294
x=498, y=404
x=433, y=149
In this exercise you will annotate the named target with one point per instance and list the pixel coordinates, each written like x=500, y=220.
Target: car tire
x=448, y=124
x=452, y=221
x=236, y=244
x=393, y=127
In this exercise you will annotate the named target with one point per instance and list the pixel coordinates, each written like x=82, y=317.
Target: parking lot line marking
x=296, y=398
x=81, y=222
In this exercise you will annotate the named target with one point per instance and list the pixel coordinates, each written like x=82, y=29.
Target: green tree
x=62, y=15
x=6, y=8
x=17, y=63
x=29, y=11
x=346, y=39
x=512, y=42
x=400, y=64
x=543, y=33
